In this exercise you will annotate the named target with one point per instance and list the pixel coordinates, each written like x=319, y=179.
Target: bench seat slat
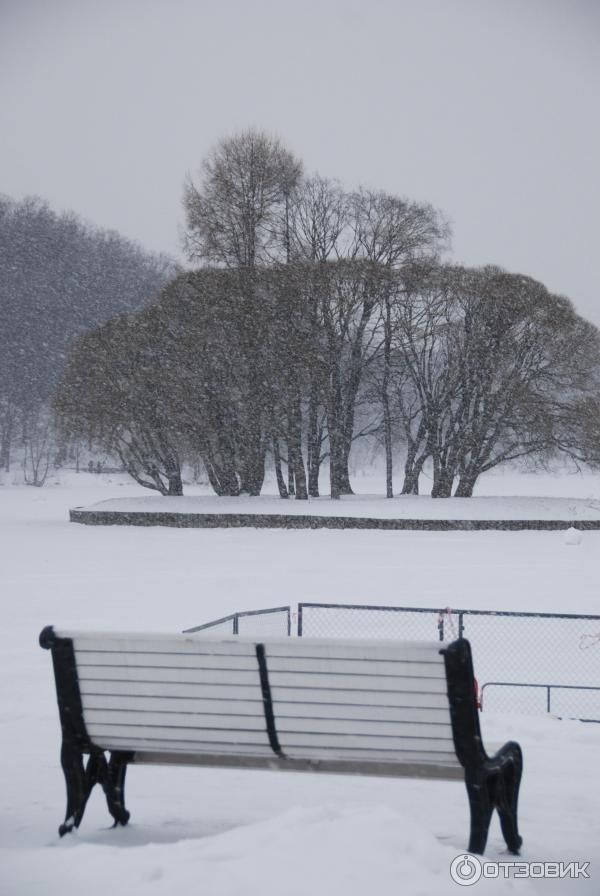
x=349, y=766
x=116, y=742
x=366, y=757
x=435, y=757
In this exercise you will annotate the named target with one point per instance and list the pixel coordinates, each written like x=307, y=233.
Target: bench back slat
x=164, y=660
x=150, y=643
x=102, y=733
x=307, y=682
x=230, y=678
x=385, y=699
x=171, y=690
x=170, y=719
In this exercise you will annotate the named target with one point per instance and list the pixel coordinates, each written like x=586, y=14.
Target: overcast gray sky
x=489, y=109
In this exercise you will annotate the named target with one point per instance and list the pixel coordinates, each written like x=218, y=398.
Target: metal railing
x=271, y=621
x=548, y=688
x=519, y=657
x=509, y=648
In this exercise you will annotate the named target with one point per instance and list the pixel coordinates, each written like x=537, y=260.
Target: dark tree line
x=58, y=278
x=319, y=316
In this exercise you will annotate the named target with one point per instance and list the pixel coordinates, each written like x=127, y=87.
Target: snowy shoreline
x=352, y=512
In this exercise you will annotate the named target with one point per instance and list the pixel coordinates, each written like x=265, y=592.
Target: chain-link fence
x=524, y=662
x=272, y=621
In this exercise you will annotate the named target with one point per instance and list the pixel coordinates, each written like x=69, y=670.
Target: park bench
x=387, y=708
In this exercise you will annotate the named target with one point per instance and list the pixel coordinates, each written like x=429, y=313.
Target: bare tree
x=38, y=447
x=319, y=220
x=234, y=215
x=394, y=233
x=496, y=365
x=237, y=217
x=115, y=394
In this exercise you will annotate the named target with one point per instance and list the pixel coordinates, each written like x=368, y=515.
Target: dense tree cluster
x=318, y=316
x=58, y=278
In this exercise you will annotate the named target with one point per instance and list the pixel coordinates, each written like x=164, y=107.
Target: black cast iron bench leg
x=481, y=806
x=114, y=787
x=81, y=780
x=496, y=786
x=507, y=798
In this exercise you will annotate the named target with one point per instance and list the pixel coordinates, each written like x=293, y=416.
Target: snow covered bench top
x=397, y=708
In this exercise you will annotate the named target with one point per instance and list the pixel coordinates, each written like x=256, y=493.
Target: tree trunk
x=252, y=465
x=5, y=452
x=385, y=398
x=6, y=441
x=175, y=484
x=313, y=444
x=412, y=471
x=221, y=477
x=442, y=484
x=466, y=484
x=283, y=492
x=387, y=423
x=344, y=475
x=295, y=448
x=334, y=465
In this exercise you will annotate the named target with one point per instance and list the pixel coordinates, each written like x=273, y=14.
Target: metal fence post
x=236, y=624
x=299, y=620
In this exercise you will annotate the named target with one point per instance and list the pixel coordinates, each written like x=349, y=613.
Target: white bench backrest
x=177, y=694
x=339, y=700
x=368, y=701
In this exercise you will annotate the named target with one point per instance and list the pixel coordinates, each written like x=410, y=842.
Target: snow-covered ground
x=232, y=832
